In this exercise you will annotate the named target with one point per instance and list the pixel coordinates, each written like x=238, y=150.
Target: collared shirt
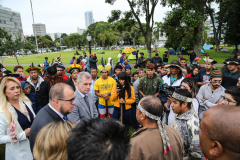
x=56, y=111
x=81, y=94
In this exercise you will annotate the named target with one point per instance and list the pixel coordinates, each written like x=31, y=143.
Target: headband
x=162, y=130
x=181, y=97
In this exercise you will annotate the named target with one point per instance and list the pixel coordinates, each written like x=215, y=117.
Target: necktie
x=86, y=100
x=65, y=118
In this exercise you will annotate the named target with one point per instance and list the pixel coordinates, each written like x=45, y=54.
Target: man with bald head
x=61, y=103
x=219, y=133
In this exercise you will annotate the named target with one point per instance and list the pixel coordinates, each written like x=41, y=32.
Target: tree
x=44, y=42
x=48, y=37
x=139, y=8
x=76, y=40
x=10, y=46
x=217, y=23
x=230, y=9
x=188, y=14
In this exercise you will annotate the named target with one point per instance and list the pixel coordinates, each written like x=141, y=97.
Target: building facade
x=10, y=21
x=39, y=29
x=88, y=18
x=80, y=31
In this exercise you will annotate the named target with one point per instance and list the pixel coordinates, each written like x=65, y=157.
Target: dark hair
x=234, y=91
x=136, y=66
x=134, y=74
x=98, y=138
x=141, y=69
x=183, y=59
x=16, y=68
x=125, y=76
x=74, y=57
x=192, y=84
x=184, y=92
x=118, y=67
x=153, y=105
x=52, y=70
x=93, y=68
x=156, y=54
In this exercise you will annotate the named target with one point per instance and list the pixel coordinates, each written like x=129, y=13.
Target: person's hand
x=203, y=99
x=121, y=100
x=27, y=131
x=221, y=102
x=118, y=90
x=105, y=96
x=144, y=59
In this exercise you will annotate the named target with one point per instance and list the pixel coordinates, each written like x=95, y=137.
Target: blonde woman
x=51, y=141
x=16, y=117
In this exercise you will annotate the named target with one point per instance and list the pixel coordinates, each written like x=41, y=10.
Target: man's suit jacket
x=45, y=116
x=81, y=111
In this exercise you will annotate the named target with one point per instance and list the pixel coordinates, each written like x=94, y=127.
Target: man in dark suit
x=85, y=106
x=61, y=103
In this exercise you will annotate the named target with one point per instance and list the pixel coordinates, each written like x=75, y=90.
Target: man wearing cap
x=211, y=93
x=203, y=76
x=156, y=60
x=187, y=123
x=174, y=79
x=197, y=60
x=92, y=62
x=155, y=140
x=142, y=61
x=46, y=63
x=103, y=87
x=128, y=70
x=38, y=84
x=36, y=105
x=231, y=73
x=165, y=58
x=149, y=84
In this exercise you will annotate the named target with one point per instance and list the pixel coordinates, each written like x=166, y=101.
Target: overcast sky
x=66, y=15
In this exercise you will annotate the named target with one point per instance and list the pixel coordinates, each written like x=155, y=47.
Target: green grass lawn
x=66, y=56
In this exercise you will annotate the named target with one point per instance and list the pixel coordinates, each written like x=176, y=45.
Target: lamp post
x=89, y=41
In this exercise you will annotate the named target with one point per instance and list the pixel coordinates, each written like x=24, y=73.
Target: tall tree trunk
x=16, y=58
x=148, y=42
x=198, y=31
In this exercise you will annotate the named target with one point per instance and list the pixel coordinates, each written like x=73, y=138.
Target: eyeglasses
x=227, y=101
x=217, y=82
x=69, y=100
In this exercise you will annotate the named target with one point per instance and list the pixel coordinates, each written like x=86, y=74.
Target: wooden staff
x=106, y=108
x=121, y=112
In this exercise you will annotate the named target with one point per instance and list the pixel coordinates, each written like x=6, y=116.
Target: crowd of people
x=178, y=111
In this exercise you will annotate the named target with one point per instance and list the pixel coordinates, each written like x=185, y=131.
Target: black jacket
x=45, y=116
x=141, y=62
x=93, y=63
x=42, y=91
x=155, y=61
x=192, y=55
x=71, y=83
x=230, y=79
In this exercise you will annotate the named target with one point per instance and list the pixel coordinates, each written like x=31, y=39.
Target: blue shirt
x=46, y=64
x=71, y=61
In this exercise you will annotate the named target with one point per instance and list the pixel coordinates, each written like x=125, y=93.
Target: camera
x=167, y=90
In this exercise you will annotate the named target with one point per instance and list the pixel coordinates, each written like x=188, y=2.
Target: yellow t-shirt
x=104, y=86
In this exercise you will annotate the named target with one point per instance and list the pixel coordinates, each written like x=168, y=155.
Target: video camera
x=167, y=90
